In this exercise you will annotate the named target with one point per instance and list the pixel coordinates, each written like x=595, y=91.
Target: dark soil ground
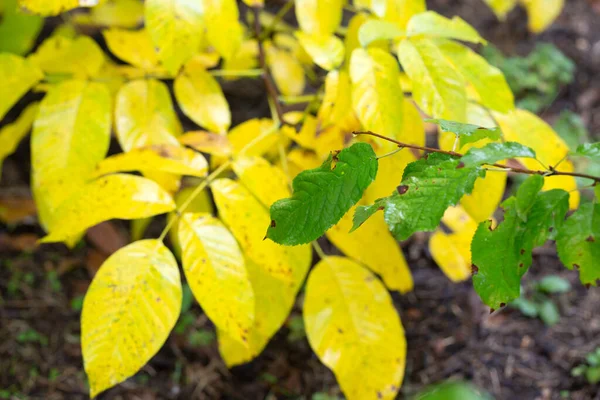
x=450, y=333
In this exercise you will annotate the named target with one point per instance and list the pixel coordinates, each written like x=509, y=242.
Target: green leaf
x=429, y=186
x=597, y=191
x=553, y=284
x=591, y=150
x=468, y=133
x=526, y=194
x=322, y=196
x=571, y=128
x=493, y=152
x=363, y=213
x=375, y=29
x=547, y=215
x=548, y=313
x=18, y=30
x=527, y=307
x=578, y=243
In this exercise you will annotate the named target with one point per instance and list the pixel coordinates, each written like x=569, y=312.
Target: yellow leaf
x=376, y=93
x=290, y=43
x=307, y=135
x=353, y=327
x=115, y=196
x=319, y=17
x=372, y=245
x=114, y=13
x=351, y=40
x=128, y=312
x=157, y=158
x=300, y=160
x=223, y=29
x=207, y=142
x=145, y=116
x=265, y=181
x=488, y=81
x=452, y=251
x=254, y=3
x=276, y=272
x=201, y=204
x=246, y=57
x=328, y=140
x=542, y=13
x=176, y=28
x=18, y=76
x=326, y=51
x=134, y=47
x=437, y=87
x=216, y=272
x=12, y=134
x=336, y=107
x=202, y=99
x=54, y=7
x=248, y=133
x=432, y=25
x=71, y=134
x=528, y=129
x=501, y=7
x=80, y=57
x=399, y=11
x=286, y=70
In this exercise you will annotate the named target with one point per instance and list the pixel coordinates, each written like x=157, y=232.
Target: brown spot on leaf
x=588, y=285
x=492, y=310
x=521, y=265
x=550, y=229
x=502, y=304
x=576, y=266
x=460, y=165
x=474, y=269
x=340, y=330
x=273, y=223
x=522, y=251
x=590, y=239
x=402, y=189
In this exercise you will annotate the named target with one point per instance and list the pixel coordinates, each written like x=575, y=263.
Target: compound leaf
x=433, y=25
x=113, y=196
x=215, y=269
x=18, y=76
x=128, y=312
x=578, y=243
x=322, y=196
x=354, y=329
x=494, y=152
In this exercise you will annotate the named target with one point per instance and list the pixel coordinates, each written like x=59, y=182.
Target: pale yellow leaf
x=433, y=25
x=156, y=158
x=326, y=51
x=319, y=17
x=528, y=129
x=351, y=40
x=373, y=245
x=202, y=99
x=336, y=107
x=542, y=13
x=71, y=134
x=216, y=272
x=134, y=47
x=501, y=7
x=223, y=29
x=354, y=329
x=145, y=116
x=286, y=70
x=398, y=12
x=437, y=87
x=207, y=142
x=114, y=13
x=115, y=196
x=487, y=80
x=18, y=76
x=265, y=181
x=80, y=57
x=128, y=312
x=377, y=97
x=176, y=28
x=12, y=134
x=54, y=7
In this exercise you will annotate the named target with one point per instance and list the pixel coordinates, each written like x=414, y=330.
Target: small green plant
x=590, y=369
x=450, y=390
x=539, y=303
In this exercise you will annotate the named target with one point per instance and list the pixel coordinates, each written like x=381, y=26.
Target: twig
x=550, y=172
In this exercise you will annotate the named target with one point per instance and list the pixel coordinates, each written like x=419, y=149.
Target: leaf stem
x=278, y=17
x=391, y=153
x=319, y=249
x=550, y=172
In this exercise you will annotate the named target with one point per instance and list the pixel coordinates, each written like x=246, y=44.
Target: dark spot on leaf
x=522, y=251
x=576, y=266
x=273, y=223
x=492, y=310
x=521, y=265
x=587, y=285
x=340, y=330
x=550, y=229
x=381, y=208
x=502, y=304
x=590, y=239
x=402, y=189
x=369, y=278
x=460, y=165
x=379, y=395
x=393, y=388
x=474, y=269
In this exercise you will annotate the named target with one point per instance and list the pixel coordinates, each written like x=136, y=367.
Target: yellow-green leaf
x=319, y=17
x=119, y=196
x=286, y=70
x=528, y=129
x=113, y=13
x=326, y=51
x=207, y=142
x=353, y=327
x=60, y=55
x=501, y=7
x=18, y=29
x=437, y=87
x=145, y=116
x=265, y=181
x=487, y=80
x=18, y=76
x=542, y=13
x=54, y=7
x=128, y=312
x=372, y=245
x=176, y=28
x=71, y=134
x=433, y=25
x=223, y=29
x=12, y=134
x=157, y=158
x=216, y=272
x=202, y=99
x=377, y=97
x=134, y=47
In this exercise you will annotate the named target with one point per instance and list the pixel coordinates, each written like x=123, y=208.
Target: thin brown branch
x=262, y=60
x=550, y=172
